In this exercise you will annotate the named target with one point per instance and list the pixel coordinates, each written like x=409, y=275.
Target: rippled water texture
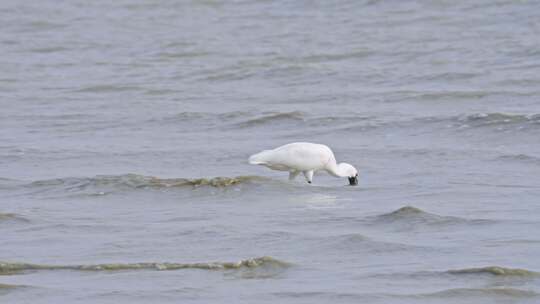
x=125, y=128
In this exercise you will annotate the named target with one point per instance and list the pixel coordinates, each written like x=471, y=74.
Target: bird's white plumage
x=303, y=157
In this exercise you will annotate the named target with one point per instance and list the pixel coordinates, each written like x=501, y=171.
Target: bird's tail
x=260, y=158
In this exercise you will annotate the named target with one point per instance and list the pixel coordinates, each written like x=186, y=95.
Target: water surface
x=125, y=129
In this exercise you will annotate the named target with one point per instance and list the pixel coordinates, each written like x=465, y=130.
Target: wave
x=456, y=95
x=358, y=242
x=336, y=122
x=496, y=121
x=204, y=117
x=260, y=262
x=482, y=292
x=240, y=120
x=11, y=217
x=135, y=181
x=355, y=121
x=411, y=216
x=7, y=183
x=268, y=118
x=402, y=212
x=524, y=158
x=350, y=121
x=181, y=54
x=107, y=88
x=109, y=184
x=230, y=120
x=495, y=270
x=485, y=119
x=48, y=50
x=324, y=57
x=6, y=288
x=461, y=295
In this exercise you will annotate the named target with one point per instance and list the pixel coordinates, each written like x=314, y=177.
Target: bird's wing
x=301, y=156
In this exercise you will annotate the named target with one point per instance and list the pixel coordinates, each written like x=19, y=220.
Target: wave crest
x=499, y=118
x=273, y=117
x=483, y=292
x=5, y=288
x=135, y=181
x=12, y=217
x=265, y=262
x=410, y=217
x=473, y=121
x=361, y=243
x=406, y=211
x=410, y=213
x=495, y=270
x=498, y=121
x=524, y=158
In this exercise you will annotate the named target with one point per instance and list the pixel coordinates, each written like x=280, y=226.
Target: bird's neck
x=336, y=169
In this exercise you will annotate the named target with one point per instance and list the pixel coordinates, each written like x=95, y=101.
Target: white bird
x=306, y=158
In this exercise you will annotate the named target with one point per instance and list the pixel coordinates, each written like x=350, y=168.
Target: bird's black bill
x=353, y=181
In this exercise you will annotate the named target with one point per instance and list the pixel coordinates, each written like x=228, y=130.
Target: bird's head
x=351, y=173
